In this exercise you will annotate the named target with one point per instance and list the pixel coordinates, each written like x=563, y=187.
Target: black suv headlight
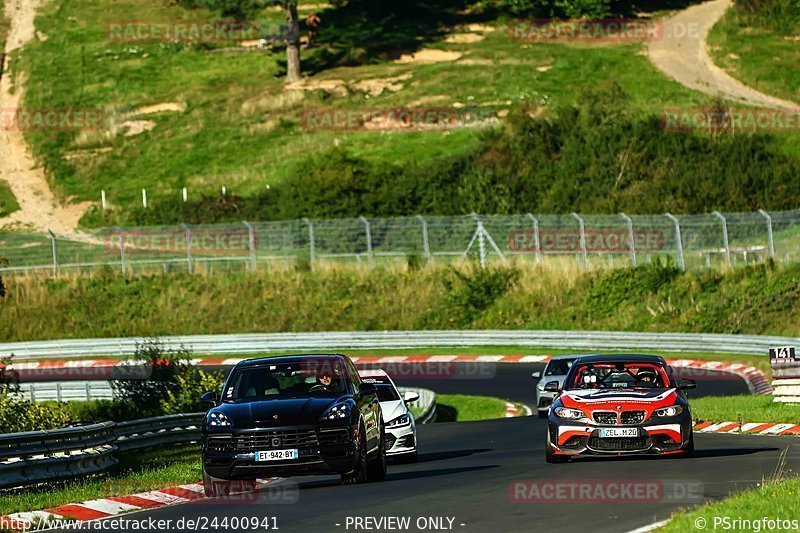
x=337, y=412
x=216, y=419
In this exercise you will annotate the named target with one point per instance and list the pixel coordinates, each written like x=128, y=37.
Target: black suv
x=289, y=416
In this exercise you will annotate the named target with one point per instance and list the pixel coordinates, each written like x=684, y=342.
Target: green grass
x=463, y=408
x=756, y=300
x=242, y=131
x=774, y=500
x=8, y=204
x=137, y=472
x=760, y=57
x=744, y=408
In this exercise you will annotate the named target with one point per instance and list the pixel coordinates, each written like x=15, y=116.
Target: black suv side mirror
x=687, y=384
x=551, y=386
x=211, y=398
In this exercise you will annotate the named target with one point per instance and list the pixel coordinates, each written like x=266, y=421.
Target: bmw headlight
x=337, y=412
x=399, y=422
x=216, y=419
x=569, y=414
x=675, y=410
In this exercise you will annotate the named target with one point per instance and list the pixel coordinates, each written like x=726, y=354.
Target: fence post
x=425, y=243
x=188, y=246
x=252, y=244
x=725, y=242
x=479, y=233
x=55, y=251
x=681, y=263
x=769, y=233
x=630, y=238
x=536, y=243
x=121, y=247
x=311, y=246
x=577, y=217
x=368, y=234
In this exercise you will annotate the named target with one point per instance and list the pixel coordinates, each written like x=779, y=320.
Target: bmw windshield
x=281, y=381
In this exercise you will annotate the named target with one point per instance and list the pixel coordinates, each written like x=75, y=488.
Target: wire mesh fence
x=715, y=240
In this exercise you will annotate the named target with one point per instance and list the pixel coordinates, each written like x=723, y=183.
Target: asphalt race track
x=466, y=471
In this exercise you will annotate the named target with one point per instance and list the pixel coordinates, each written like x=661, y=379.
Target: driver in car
x=326, y=381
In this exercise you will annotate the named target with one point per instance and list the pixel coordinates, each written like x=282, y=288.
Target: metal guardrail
x=38, y=456
x=426, y=402
x=35, y=456
x=66, y=391
x=344, y=340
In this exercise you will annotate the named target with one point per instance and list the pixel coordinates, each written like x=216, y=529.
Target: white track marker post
x=768, y=217
x=725, y=241
x=144, y=198
x=679, y=239
x=224, y=191
x=185, y=195
x=631, y=240
x=103, y=199
x=368, y=235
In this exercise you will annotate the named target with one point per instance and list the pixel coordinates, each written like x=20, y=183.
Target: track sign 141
x=785, y=354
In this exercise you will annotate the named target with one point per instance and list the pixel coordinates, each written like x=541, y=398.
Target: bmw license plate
x=618, y=432
x=276, y=455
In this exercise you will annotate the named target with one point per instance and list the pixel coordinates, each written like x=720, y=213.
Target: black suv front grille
x=632, y=417
x=220, y=443
x=333, y=436
x=605, y=417
x=276, y=439
x=618, y=444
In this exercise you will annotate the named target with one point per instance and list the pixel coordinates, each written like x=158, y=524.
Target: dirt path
x=682, y=54
x=39, y=209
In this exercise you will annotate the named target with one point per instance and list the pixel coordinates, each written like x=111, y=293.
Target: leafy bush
x=780, y=15
x=474, y=291
x=608, y=290
x=143, y=397
x=189, y=386
x=18, y=414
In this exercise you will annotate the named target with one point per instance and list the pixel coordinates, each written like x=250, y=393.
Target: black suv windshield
x=274, y=381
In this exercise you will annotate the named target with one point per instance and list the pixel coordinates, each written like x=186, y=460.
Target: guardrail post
x=368, y=234
x=425, y=244
x=121, y=248
x=725, y=242
x=88, y=391
x=188, y=246
x=537, y=245
x=681, y=263
x=32, y=392
x=769, y=233
x=58, y=392
x=55, y=251
x=582, y=226
x=311, y=247
x=252, y=244
x=630, y=238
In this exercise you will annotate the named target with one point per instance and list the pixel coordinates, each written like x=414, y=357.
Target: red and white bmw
x=619, y=405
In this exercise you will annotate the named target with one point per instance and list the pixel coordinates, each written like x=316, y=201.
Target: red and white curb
x=112, y=506
x=513, y=410
x=751, y=428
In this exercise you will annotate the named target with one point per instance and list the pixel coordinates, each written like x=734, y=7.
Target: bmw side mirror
x=368, y=388
x=536, y=375
x=687, y=384
x=211, y=398
x=551, y=386
x=410, y=396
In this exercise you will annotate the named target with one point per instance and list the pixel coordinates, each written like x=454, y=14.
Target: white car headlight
x=569, y=414
x=399, y=422
x=216, y=419
x=337, y=412
x=675, y=410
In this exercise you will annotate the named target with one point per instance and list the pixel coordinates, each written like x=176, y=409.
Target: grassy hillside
x=230, y=122
x=760, y=300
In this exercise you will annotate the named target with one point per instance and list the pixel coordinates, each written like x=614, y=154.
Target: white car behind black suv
x=556, y=370
x=399, y=424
